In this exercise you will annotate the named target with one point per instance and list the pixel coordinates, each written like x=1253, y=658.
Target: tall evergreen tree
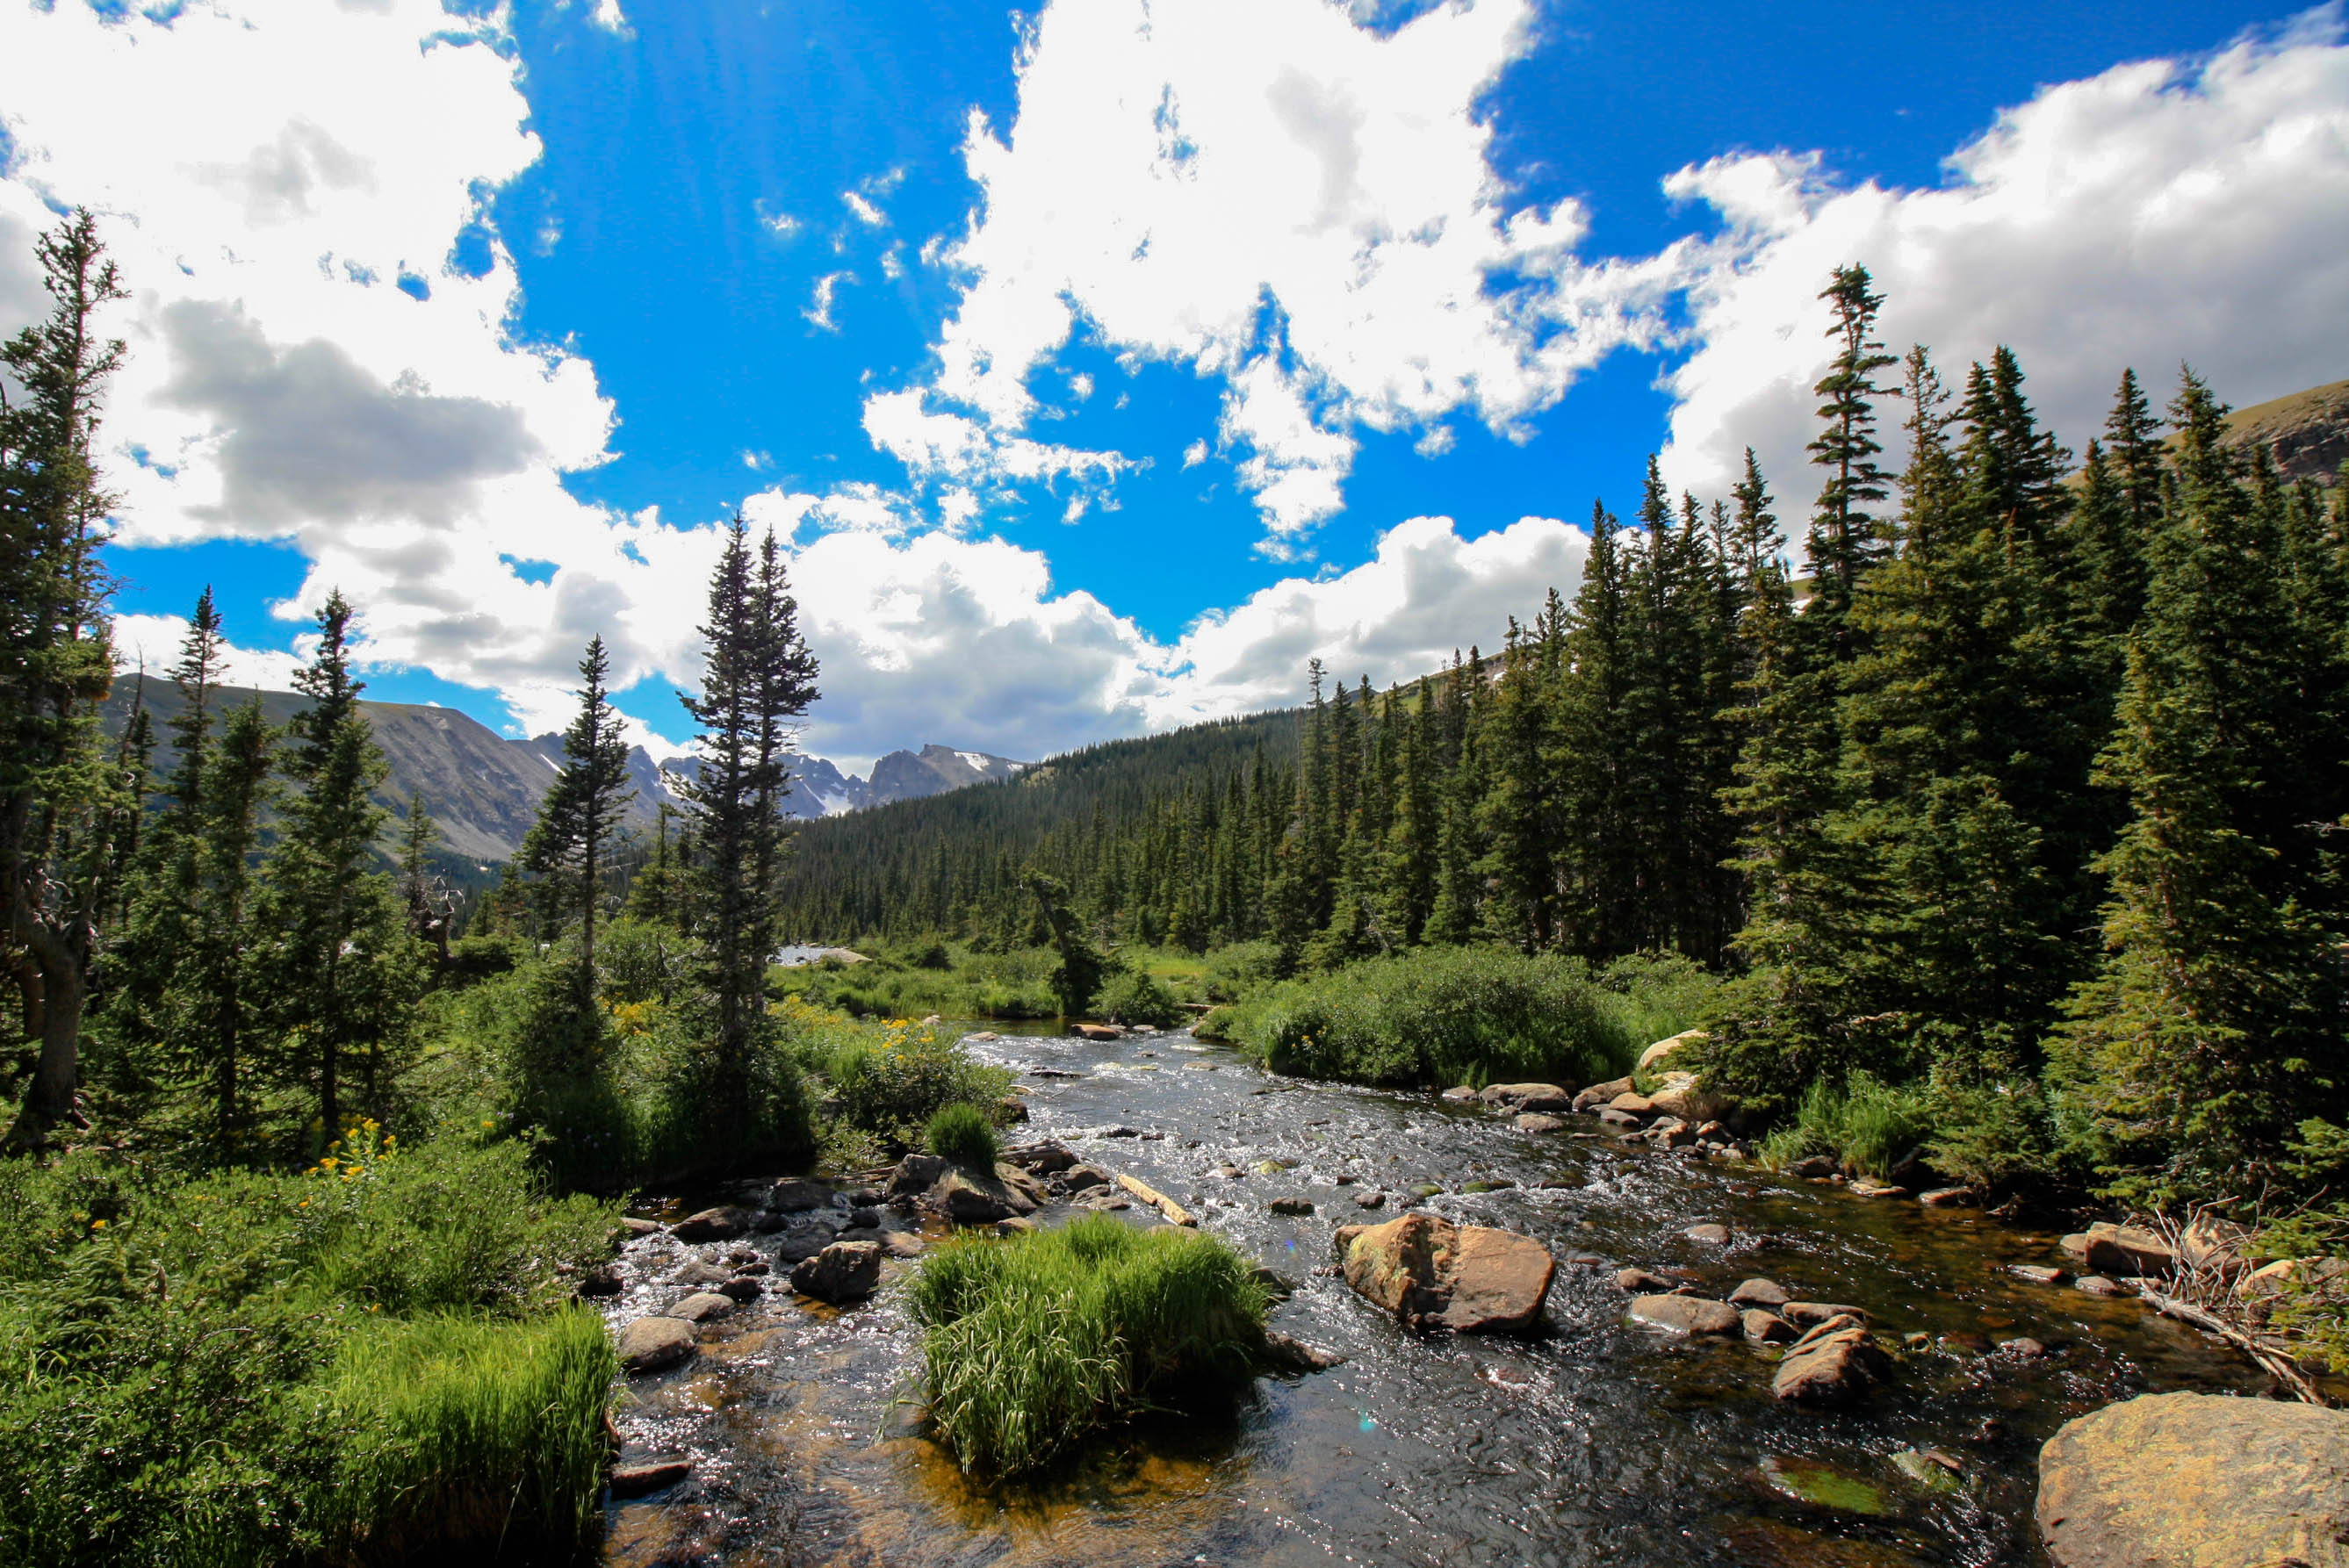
x=2213, y=1025
x=569, y=848
x=59, y=798
x=1845, y=539
x=346, y=972
x=757, y=678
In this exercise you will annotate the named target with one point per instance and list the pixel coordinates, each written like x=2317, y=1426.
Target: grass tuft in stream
x=960, y=1133
x=1031, y=1344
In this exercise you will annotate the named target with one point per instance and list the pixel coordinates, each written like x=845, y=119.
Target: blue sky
x=489, y=319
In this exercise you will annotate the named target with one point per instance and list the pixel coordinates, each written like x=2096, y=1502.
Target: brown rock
x=1711, y=1235
x=1832, y=1370
x=1811, y=1167
x=1433, y=1274
x=1291, y=1205
x=795, y=1197
x=1764, y=1327
x=1815, y=1312
x=844, y=1270
x=1600, y=1093
x=1948, y=1198
x=1664, y=1047
x=1460, y=1094
x=1536, y=1121
x=1103, y=1033
x=703, y=1307
x=2097, y=1284
x=1047, y=1159
x=741, y=1287
x=2036, y=1274
x=2202, y=1481
x=1638, y=1281
x=1289, y=1354
x=1526, y=1097
x=696, y=1272
x=633, y=1226
x=917, y=1173
x=1861, y=1187
x=1632, y=1104
x=639, y=1480
x=600, y=1281
x=1682, y=1096
x=970, y=1200
x=1618, y=1119
x=2126, y=1250
x=1767, y=1292
x=1686, y=1314
x=649, y=1344
x=711, y=1225
x=1369, y=1200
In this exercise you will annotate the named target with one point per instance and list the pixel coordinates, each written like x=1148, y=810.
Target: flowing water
x=1599, y=1442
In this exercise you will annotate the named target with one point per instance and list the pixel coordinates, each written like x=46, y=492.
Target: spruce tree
x=757, y=678
x=2212, y=1026
x=1845, y=539
x=59, y=794
x=570, y=847
x=346, y=972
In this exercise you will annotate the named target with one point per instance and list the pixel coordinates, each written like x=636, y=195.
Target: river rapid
x=1599, y=1442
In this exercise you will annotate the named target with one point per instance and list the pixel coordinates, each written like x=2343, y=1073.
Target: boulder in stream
x=1539, y=1122
x=844, y=1270
x=711, y=1225
x=2125, y=1250
x=1763, y=1293
x=2208, y=1480
x=1686, y=1315
x=1433, y=1274
x=1527, y=1097
x=796, y=1196
x=649, y=1344
x=703, y=1307
x=1830, y=1368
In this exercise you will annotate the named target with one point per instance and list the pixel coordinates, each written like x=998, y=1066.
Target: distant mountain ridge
x=483, y=789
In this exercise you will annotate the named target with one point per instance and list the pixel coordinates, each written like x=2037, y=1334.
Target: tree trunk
x=64, y=989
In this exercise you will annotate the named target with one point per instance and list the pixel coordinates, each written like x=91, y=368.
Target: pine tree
x=1845, y=538
x=430, y=910
x=2212, y=1026
x=570, y=847
x=59, y=799
x=347, y=972
x=757, y=678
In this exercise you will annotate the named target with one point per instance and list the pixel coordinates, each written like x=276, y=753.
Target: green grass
x=467, y=1431
x=1031, y=1344
x=255, y=1368
x=885, y=1081
x=961, y=1133
x=1453, y=1015
x=1864, y=1125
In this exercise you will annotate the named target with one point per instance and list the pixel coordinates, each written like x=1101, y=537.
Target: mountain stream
x=1598, y=1442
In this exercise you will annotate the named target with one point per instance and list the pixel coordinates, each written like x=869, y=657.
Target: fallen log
x=1158, y=1200
x=2273, y=1356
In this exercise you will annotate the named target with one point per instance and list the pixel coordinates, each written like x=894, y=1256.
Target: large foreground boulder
x=2202, y=1481
x=1433, y=1274
x=844, y=1270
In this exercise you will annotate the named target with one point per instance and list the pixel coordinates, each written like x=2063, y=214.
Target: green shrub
x=1132, y=996
x=889, y=1080
x=931, y=955
x=961, y=1133
x=1448, y=1014
x=1866, y=1126
x=1031, y=1344
x=1234, y=971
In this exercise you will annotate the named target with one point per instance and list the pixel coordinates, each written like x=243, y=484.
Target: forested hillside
x=2030, y=796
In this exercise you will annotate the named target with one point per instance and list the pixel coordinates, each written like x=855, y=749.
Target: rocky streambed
x=1725, y=1366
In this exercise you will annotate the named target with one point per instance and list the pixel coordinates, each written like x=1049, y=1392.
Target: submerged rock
x=649, y=1344
x=1538, y=1122
x=638, y=1481
x=2200, y=1478
x=1433, y=1274
x=842, y=1271
x=1287, y=1353
x=804, y=1243
x=1711, y=1235
x=1686, y=1315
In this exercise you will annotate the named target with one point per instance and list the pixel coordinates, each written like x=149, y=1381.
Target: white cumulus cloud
x=1273, y=194
x=2163, y=211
